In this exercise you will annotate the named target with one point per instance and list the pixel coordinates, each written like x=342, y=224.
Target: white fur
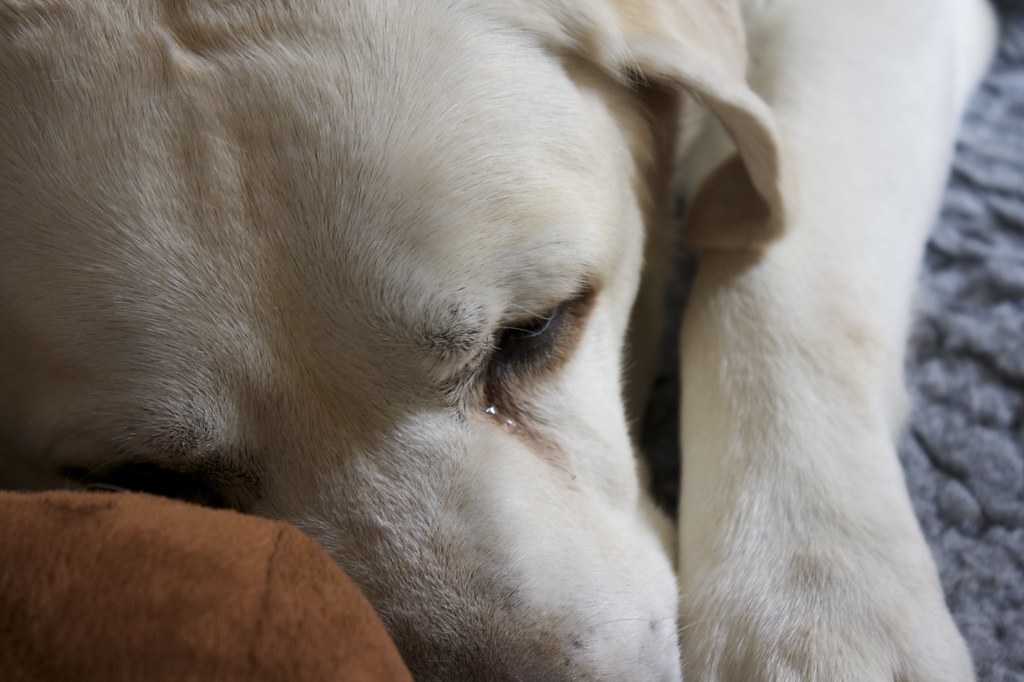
x=800, y=555
x=243, y=237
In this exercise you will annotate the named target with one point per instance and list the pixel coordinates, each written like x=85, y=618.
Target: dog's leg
x=800, y=554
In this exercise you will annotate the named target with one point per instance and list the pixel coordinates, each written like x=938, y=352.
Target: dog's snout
x=535, y=654
x=498, y=663
x=526, y=666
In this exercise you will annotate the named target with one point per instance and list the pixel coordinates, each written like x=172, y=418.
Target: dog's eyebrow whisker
x=519, y=329
x=695, y=623
x=531, y=313
x=613, y=621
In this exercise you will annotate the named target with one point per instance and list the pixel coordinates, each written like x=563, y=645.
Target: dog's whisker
x=696, y=623
x=615, y=621
x=531, y=314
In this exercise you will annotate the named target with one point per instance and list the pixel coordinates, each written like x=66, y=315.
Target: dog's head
x=366, y=267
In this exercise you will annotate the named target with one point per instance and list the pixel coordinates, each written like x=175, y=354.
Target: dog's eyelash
x=534, y=344
x=530, y=329
x=530, y=342
x=537, y=341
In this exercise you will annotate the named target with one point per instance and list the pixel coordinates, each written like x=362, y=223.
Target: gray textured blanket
x=963, y=449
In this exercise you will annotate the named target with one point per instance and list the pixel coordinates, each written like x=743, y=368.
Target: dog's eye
x=530, y=329
x=148, y=477
x=539, y=341
x=531, y=339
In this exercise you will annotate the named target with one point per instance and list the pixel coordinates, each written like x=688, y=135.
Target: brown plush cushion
x=98, y=586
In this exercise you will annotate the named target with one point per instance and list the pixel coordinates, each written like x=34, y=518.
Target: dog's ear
x=696, y=47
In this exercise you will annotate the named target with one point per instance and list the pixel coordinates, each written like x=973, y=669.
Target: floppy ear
x=696, y=47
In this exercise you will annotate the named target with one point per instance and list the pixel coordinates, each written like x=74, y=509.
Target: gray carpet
x=963, y=449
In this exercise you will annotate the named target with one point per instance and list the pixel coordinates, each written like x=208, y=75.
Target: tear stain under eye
x=541, y=446
x=500, y=417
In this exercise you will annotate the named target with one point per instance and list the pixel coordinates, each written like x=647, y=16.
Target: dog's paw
x=825, y=612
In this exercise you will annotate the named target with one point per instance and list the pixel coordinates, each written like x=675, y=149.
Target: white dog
x=368, y=266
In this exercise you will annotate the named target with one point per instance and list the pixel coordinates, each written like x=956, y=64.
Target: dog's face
x=367, y=269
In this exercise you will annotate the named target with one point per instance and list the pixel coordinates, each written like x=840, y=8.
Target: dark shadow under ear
x=728, y=212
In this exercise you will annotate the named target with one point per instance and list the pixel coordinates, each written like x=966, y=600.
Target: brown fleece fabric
x=103, y=586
